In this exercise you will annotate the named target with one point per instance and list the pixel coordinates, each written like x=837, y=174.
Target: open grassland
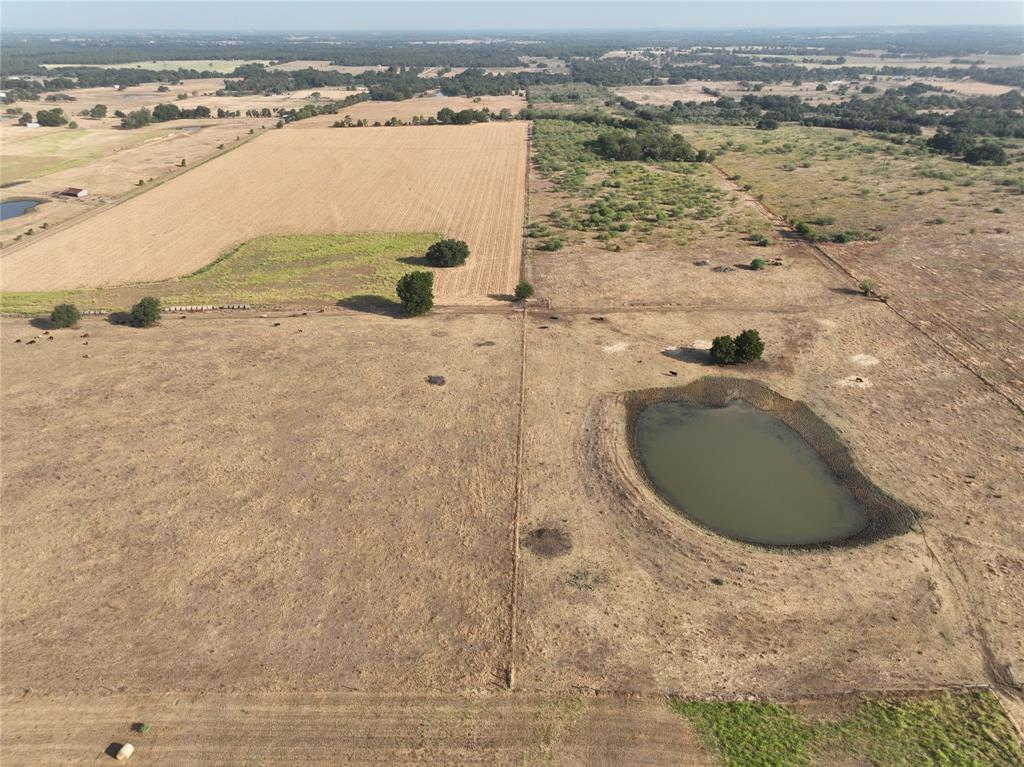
x=459, y=181
x=940, y=238
x=29, y=154
x=275, y=270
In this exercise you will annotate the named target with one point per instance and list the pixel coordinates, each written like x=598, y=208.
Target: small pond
x=12, y=208
x=744, y=473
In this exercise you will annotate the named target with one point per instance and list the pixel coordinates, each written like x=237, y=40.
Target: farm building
x=74, y=191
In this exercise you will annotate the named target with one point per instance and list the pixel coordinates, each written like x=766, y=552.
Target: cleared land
x=422, y=106
x=263, y=541
x=459, y=181
x=200, y=65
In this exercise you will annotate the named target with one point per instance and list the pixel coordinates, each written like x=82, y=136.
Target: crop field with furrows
x=459, y=181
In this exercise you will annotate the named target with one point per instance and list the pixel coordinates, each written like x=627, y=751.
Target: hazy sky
x=424, y=15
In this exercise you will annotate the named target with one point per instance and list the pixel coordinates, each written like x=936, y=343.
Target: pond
x=742, y=472
x=12, y=208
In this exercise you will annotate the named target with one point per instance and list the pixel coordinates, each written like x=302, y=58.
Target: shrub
x=867, y=287
x=64, y=316
x=758, y=264
x=760, y=240
x=524, y=290
x=749, y=346
x=416, y=292
x=723, y=350
x=551, y=245
x=803, y=229
x=447, y=253
x=146, y=312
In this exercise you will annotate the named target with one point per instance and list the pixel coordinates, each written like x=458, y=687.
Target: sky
x=491, y=15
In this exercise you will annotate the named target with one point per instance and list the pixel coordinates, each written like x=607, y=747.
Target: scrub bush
x=524, y=290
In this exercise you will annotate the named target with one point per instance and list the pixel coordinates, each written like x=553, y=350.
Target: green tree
x=98, y=111
x=749, y=346
x=64, y=316
x=723, y=350
x=447, y=253
x=524, y=290
x=51, y=118
x=416, y=292
x=146, y=312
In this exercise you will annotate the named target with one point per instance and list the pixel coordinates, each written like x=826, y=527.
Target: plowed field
x=461, y=181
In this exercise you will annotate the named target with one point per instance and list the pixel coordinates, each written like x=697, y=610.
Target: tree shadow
x=847, y=291
x=502, y=296
x=120, y=318
x=371, y=304
x=690, y=354
x=413, y=260
x=42, y=323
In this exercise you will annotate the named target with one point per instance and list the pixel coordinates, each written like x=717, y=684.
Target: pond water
x=12, y=208
x=745, y=474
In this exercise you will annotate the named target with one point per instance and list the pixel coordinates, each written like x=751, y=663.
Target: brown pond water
x=743, y=473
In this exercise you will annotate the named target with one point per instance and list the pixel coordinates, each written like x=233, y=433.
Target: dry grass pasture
x=943, y=236
x=272, y=538
x=459, y=181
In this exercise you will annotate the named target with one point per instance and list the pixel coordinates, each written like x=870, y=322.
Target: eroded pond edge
x=886, y=516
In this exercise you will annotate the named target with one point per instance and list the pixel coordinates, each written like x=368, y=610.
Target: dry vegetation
x=280, y=532
x=459, y=181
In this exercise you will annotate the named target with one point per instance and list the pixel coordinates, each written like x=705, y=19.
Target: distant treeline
x=905, y=110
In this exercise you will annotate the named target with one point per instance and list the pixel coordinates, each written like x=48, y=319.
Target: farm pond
x=12, y=208
x=743, y=473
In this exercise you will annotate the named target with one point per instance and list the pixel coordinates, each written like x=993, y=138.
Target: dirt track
x=352, y=729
